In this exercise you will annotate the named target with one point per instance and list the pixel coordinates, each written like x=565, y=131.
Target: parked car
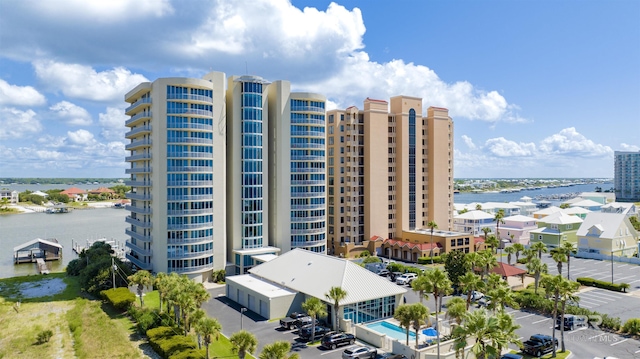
x=320, y=331
x=406, y=278
x=394, y=275
x=290, y=321
x=394, y=356
x=383, y=273
x=484, y=301
x=511, y=356
x=359, y=352
x=335, y=340
x=475, y=295
x=572, y=322
x=539, y=344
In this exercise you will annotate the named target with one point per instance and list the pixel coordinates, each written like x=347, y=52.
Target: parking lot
x=598, y=269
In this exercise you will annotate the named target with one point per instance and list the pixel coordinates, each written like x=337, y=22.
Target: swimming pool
x=391, y=330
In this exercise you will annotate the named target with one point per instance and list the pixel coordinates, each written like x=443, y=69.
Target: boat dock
x=42, y=266
x=117, y=250
x=37, y=249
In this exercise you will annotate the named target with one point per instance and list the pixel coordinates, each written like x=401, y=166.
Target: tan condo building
x=389, y=171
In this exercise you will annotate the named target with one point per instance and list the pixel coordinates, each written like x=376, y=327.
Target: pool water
x=391, y=330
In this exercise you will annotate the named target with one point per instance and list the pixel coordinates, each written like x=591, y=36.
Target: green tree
x=278, y=350
x=492, y=333
x=404, y=317
x=439, y=284
x=4, y=203
x=560, y=258
x=498, y=218
x=141, y=279
x=243, y=342
x=486, y=231
x=540, y=247
x=564, y=205
x=432, y=225
x=488, y=261
x=566, y=292
x=209, y=329
x=455, y=264
x=456, y=309
x=554, y=285
x=536, y=267
x=568, y=249
x=315, y=308
x=493, y=244
x=502, y=296
x=336, y=294
x=468, y=283
x=519, y=247
x=473, y=261
x=161, y=282
x=411, y=315
x=509, y=250
x=419, y=317
x=421, y=286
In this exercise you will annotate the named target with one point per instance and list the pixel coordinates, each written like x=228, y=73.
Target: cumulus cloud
x=101, y=11
x=502, y=147
x=627, y=147
x=469, y=142
x=16, y=123
x=13, y=95
x=112, y=122
x=570, y=142
x=71, y=114
x=83, y=82
x=81, y=137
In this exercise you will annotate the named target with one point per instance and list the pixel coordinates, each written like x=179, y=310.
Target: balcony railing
x=189, y=169
x=139, y=143
x=138, y=210
x=140, y=264
x=135, y=118
x=307, y=109
x=188, y=197
x=190, y=183
x=185, y=255
x=307, y=145
x=142, y=251
x=138, y=170
x=308, y=194
x=138, y=156
x=192, y=269
x=191, y=226
x=137, y=222
x=308, y=133
x=307, y=121
x=308, y=231
x=141, y=197
x=137, y=236
x=190, y=240
x=138, y=183
x=188, y=212
x=138, y=130
x=309, y=219
x=308, y=158
x=190, y=155
x=190, y=126
x=200, y=98
x=206, y=141
x=142, y=101
x=308, y=206
x=299, y=244
x=190, y=111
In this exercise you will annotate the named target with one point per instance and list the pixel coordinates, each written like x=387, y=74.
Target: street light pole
x=242, y=310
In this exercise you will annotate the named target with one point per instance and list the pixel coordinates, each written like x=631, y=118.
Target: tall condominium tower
x=627, y=176
x=177, y=169
x=275, y=170
x=389, y=169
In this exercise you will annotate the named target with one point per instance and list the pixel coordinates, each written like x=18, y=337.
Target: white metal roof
x=586, y=203
x=475, y=214
x=548, y=210
x=34, y=241
x=519, y=218
x=561, y=218
x=315, y=274
x=608, y=222
x=263, y=287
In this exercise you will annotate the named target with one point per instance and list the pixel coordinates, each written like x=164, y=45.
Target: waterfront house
x=12, y=196
x=607, y=233
x=75, y=194
x=473, y=221
x=577, y=211
x=519, y=226
x=619, y=207
x=555, y=229
x=546, y=211
x=588, y=204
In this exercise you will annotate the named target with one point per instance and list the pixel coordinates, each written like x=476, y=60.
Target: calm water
x=515, y=196
x=78, y=225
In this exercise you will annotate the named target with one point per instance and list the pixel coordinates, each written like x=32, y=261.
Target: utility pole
x=113, y=271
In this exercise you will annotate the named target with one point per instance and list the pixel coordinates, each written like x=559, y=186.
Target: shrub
x=190, y=354
x=612, y=323
x=121, y=298
x=632, y=326
x=522, y=261
x=427, y=260
x=167, y=343
x=218, y=276
x=147, y=318
x=44, y=336
x=602, y=284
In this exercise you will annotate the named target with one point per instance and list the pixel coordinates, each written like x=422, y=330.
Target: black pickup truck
x=539, y=344
x=295, y=320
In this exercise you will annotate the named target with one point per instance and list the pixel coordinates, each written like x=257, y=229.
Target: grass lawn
x=81, y=328
x=559, y=355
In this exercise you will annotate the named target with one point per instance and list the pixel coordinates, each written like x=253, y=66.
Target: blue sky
x=535, y=88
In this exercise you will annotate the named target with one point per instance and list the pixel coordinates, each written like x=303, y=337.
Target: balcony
x=138, y=105
x=188, y=212
x=297, y=183
x=185, y=255
x=146, y=142
x=189, y=183
x=138, y=170
x=137, y=118
x=308, y=133
x=308, y=194
x=138, y=183
x=188, y=197
x=137, y=236
x=301, y=244
x=307, y=121
x=307, y=109
x=190, y=97
x=189, y=169
x=138, y=263
x=189, y=226
x=190, y=126
x=308, y=158
x=138, y=157
x=189, y=111
x=138, y=131
x=308, y=231
x=141, y=251
x=307, y=145
x=190, y=155
x=194, y=140
x=307, y=206
x=303, y=170
x=140, y=197
x=309, y=219
x=138, y=223
x=192, y=269
x=138, y=210
x=199, y=240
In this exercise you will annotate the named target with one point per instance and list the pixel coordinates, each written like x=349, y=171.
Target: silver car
x=359, y=351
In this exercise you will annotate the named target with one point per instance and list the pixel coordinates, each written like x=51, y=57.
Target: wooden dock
x=42, y=266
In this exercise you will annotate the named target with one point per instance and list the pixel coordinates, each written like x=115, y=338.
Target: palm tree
x=566, y=292
x=540, y=247
x=493, y=243
x=336, y=294
x=486, y=231
x=478, y=207
x=422, y=286
x=432, y=225
x=243, y=342
x=536, y=267
x=568, y=248
x=404, y=316
x=419, y=317
x=502, y=296
x=488, y=261
x=472, y=259
x=161, y=283
x=492, y=333
x=315, y=308
x=510, y=250
x=553, y=285
x=278, y=350
x=469, y=283
x=142, y=279
x=498, y=219
x=456, y=309
x=208, y=328
x=560, y=258
x=439, y=283
x=519, y=247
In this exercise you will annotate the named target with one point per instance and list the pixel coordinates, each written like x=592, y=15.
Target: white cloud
x=569, y=142
x=102, y=11
x=502, y=147
x=81, y=137
x=627, y=147
x=469, y=142
x=71, y=114
x=83, y=82
x=16, y=123
x=112, y=123
x=14, y=95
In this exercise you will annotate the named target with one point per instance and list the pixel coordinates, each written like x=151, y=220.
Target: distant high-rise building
x=389, y=170
x=627, y=176
x=222, y=179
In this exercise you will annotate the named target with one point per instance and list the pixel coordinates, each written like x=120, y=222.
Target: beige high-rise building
x=389, y=170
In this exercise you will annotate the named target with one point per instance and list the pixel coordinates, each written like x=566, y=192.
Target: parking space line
x=629, y=276
x=622, y=341
x=541, y=320
x=597, y=300
x=525, y=316
x=633, y=352
x=638, y=280
x=601, y=293
x=595, y=336
x=623, y=265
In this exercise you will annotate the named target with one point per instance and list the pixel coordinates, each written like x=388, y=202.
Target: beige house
x=607, y=233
